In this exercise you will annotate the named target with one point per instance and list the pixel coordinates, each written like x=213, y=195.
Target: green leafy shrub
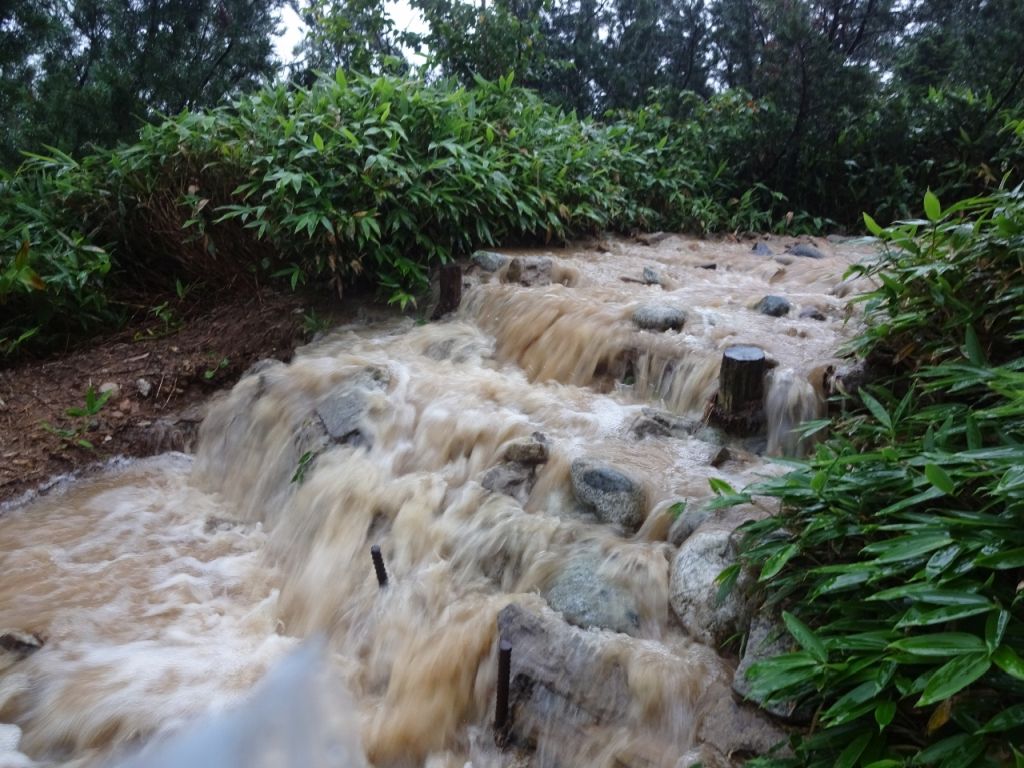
x=357, y=179
x=898, y=554
x=52, y=269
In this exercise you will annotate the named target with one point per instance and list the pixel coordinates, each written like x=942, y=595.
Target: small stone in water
x=762, y=249
x=651, y=276
x=811, y=313
x=805, y=250
x=773, y=306
x=527, y=451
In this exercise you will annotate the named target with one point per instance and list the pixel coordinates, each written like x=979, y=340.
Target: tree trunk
x=738, y=406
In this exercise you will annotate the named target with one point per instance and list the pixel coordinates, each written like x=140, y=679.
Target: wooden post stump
x=451, y=290
x=738, y=406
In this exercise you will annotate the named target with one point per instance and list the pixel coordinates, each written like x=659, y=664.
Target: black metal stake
x=504, y=673
x=378, y=565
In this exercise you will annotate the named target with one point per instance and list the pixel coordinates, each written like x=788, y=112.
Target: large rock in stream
x=614, y=496
x=587, y=598
x=659, y=317
x=693, y=588
x=489, y=261
x=575, y=693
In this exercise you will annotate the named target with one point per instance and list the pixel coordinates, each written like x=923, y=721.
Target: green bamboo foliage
x=354, y=179
x=897, y=559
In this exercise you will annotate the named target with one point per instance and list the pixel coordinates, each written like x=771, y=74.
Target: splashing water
x=166, y=589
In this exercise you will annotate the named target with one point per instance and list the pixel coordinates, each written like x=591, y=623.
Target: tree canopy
x=74, y=72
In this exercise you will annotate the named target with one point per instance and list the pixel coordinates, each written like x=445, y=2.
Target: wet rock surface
x=766, y=637
x=653, y=422
x=587, y=598
x=342, y=412
x=704, y=554
x=572, y=682
x=614, y=496
x=511, y=478
x=689, y=519
x=806, y=251
x=489, y=261
x=651, y=276
x=812, y=313
x=16, y=645
x=659, y=317
x=530, y=270
x=773, y=306
x=528, y=450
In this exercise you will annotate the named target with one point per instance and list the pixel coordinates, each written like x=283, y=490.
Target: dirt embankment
x=160, y=375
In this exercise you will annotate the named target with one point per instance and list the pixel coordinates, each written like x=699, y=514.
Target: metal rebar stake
x=504, y=674
x=378, y=565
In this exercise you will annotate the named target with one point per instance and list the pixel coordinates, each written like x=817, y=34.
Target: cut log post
x=451, y=290
x=738, y=406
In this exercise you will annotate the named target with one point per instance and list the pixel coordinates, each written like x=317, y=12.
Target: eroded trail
x=520, y=466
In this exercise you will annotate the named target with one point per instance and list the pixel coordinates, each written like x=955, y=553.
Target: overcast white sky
x=292, y=28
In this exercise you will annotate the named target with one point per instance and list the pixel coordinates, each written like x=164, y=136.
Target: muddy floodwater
x=533, y=467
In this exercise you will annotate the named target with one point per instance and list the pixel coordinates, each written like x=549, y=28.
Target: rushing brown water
x=165, y=589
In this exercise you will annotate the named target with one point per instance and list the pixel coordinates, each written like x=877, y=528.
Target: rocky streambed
x=536, y=469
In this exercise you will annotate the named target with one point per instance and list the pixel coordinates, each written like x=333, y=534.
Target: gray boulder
x=693, y=591
x=651, y=276
x=762, y=249
x=341, y=412
x=530, y=270
x=489, y=261
x=805, y=250
x=658, y=317
x=773, y=306
x=340, y=417
x=614, y=496
x=587, y=599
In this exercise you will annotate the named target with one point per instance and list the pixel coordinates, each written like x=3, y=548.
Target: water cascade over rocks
x=535, y=468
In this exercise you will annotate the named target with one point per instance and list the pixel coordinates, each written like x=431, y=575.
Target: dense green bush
x=354, y=178
x=898, y=555
x=52, y=269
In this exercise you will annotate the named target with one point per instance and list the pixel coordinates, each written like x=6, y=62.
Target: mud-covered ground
x=161, y=372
